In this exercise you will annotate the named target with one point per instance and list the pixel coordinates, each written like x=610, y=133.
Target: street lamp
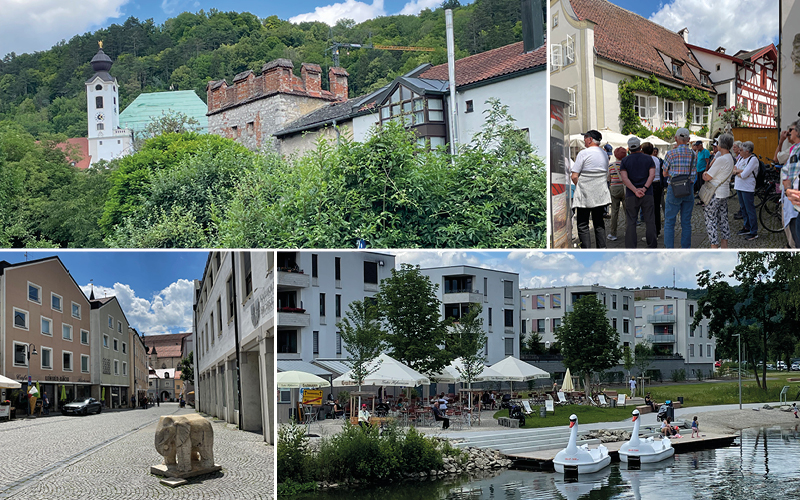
x=740, y=368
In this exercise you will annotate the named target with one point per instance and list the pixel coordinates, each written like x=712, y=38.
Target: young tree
x=643, y=356
x=468, y=342
x=588, y=342
x=186, y=366
x=533, y=343
x=410, y=310
x=363, y=338
x=627, y=359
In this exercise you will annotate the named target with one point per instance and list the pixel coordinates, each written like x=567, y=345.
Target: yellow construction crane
x=334, y=48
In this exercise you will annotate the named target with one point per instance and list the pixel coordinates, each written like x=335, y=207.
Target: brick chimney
x=685, y=34
x=243, y=83
x=216, y=91
x=338, y=83
x=312, y=79
x=278, y=76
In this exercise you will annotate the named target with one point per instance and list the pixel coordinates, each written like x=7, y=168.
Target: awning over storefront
x=335, y=366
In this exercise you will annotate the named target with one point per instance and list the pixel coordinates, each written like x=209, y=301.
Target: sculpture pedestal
x=163, y=470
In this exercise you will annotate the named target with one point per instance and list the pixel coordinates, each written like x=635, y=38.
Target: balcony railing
x=462, y=290
x=661, y=318
x=661, y=339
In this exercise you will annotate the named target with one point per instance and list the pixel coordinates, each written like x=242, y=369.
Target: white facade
x=789, y=62
x=234, y=333
x=497, y=292
x=543, y=309
x=106, y=139
x=111, y=349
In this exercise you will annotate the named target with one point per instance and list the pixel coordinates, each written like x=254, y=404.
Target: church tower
x=106, y=140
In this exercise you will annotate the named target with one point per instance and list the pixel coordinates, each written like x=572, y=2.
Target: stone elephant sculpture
x=186, y=442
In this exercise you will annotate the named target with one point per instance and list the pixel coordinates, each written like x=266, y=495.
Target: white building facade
x=234, y=339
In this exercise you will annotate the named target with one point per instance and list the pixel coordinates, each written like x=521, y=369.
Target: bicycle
x=770, y=207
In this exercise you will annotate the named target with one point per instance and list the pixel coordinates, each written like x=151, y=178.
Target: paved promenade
x=108, y=456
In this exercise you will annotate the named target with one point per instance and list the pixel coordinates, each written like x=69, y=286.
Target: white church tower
x=106, y=140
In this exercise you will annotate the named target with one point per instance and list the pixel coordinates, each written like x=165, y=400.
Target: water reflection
x=764, y=465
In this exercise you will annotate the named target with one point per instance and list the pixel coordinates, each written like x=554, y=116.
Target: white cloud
x=177, y=6
x=349, y=9
x=733, y=24
x=168, y=311
x=415, y=6
x=34, y=25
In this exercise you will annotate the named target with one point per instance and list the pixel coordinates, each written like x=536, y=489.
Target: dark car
x=82, y=406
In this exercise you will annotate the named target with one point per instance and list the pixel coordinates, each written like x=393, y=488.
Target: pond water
x=765, y=464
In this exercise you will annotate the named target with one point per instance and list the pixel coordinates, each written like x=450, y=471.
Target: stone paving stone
x=699, y=234
x=108, y=456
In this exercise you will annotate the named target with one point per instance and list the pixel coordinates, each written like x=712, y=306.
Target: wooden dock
x=543, y=459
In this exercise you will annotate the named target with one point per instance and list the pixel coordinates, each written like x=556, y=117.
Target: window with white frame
x=116, y=345
x=555, y=57
x=673, y=112
x=700, y=114
x=555, y=20
x=76, y=310
x=66, y=361
x=47, y=326
x=20, y=354
x=84, y=363
x=124, y=368
x=116, y=367
x=110, y=323
x=105, y=341
x=509, y=341
x=34, y=293
x=677, y=69
x=56, y=302
x=84, y=337
x=709, y=350
x=338, y=343
x=47, y=358
x=573, y=104
x=66, y=332
x=646, y=106
x=119, y=326
x=691, y=350
x=20, y=319
x=124, y=348
x=704, y=78
x=569, y=51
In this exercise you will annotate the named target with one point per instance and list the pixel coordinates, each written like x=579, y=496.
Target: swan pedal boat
x=647, y=450
x=586, y=460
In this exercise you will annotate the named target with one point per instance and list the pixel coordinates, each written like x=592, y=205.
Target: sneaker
x=611, y=237
x=738, y=216
x=751, y=237
x=743, y=231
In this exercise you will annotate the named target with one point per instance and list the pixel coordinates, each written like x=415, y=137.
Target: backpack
x=761, y=174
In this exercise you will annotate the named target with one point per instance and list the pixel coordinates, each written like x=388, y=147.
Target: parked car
x=82, y=406
x=796, y=367
x=718, y=364
x=781, y=365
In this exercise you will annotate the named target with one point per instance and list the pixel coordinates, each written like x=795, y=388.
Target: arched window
x=163, y=366
x=100, y=126
x=98, y=87
x=98, y=102
x=166, y=375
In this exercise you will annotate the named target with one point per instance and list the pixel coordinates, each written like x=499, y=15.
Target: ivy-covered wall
x=632, y=124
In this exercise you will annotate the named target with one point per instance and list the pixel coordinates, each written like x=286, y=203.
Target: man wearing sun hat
x=679, y=163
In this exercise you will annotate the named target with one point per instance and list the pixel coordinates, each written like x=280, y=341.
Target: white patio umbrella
x=7, y=383
x=694, y=138
x=294, y=379
x=567, y=385
x=614, y=138
x=656, y=141
x=388, y=372
x=516, y=370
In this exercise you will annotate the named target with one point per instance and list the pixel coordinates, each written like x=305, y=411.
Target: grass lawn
x=586, y=415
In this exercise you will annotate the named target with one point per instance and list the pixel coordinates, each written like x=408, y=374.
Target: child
x=794, y=410
x=695, y=429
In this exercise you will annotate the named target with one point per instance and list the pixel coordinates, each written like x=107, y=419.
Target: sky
x=154, y=288
x=539, y=268
x=33, y=25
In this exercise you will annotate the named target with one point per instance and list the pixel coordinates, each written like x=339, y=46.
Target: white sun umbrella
x=656, y=141
x=293, y=379
x=516, y=370
x=614, y=138
x=389, y=372
x=7, y=383
x=568, y=385
x=694, y=138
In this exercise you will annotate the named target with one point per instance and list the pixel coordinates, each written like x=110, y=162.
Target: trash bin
x=680, y=399
x=612, y=403
x=543, y=411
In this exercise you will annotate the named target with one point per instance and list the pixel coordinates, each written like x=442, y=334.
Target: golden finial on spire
x=100, y=43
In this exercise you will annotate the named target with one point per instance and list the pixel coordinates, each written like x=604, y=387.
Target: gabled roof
x=79, y=145
x=752, y=55
x=146, y=107
x=319, y=117
x=7, y=265
x=492, y=64
x=631, y=40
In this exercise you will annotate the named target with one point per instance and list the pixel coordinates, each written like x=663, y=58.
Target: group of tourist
x=641, y=182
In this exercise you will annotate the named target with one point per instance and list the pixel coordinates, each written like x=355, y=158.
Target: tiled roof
x=167, y=346
x=79, y=146
x=631, y=40
x=319, y=117
x=168, y=351
x=491, y=64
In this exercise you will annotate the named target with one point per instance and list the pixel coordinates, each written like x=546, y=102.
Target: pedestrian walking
x=589, y=173
x=632, y=384
x=133, y=402
x=745, y=184
x=695, y=428
x=715, y=192
x=158, y=401
x=637, y=172
x=46, y=405
x=703, y=159
x=680, y=171
x=794, y=410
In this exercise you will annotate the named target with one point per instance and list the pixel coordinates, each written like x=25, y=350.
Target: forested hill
x=44, y=91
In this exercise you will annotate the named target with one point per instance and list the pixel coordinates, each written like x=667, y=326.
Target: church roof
x=146, y=107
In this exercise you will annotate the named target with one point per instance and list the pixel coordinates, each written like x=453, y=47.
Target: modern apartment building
x=664, y=317
x=543, y=309
x=44, y=329
x=110, y=343
x=234, y=324
x=498, y=294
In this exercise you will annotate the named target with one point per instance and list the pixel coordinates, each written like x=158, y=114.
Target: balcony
x=661, y=339
x=293, y=316
x=660, y=318
x=463, y=295
x=293, y=279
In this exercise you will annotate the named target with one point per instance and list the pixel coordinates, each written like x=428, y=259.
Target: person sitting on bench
x=439, y=415
x=649, y=402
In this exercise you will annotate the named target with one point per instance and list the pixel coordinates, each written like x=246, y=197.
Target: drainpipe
x=236, y=336
x=451, y=70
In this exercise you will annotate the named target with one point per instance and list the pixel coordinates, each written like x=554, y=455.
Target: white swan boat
x=645, y=450
x=586, y=460
x=575, y=489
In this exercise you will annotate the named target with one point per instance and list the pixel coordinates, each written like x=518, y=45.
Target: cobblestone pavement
x=699, y=234
x=108, y=456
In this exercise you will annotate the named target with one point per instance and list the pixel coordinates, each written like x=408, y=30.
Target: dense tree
x=410, y=310
x=588, y=342
x=363, y=338
x=186, y=366
x=467, y=341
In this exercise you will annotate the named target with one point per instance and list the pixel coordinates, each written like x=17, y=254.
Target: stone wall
x=301, y=143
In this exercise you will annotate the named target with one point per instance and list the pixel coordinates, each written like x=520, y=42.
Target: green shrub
x=655, y=375
x=295, y=461
x=289, y=488
x=678, y=375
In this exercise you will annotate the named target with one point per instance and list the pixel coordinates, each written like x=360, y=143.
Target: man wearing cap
x=638, y=171
x=703, y=158
x=363, y=416
x=679, y=163
x=589, y=174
